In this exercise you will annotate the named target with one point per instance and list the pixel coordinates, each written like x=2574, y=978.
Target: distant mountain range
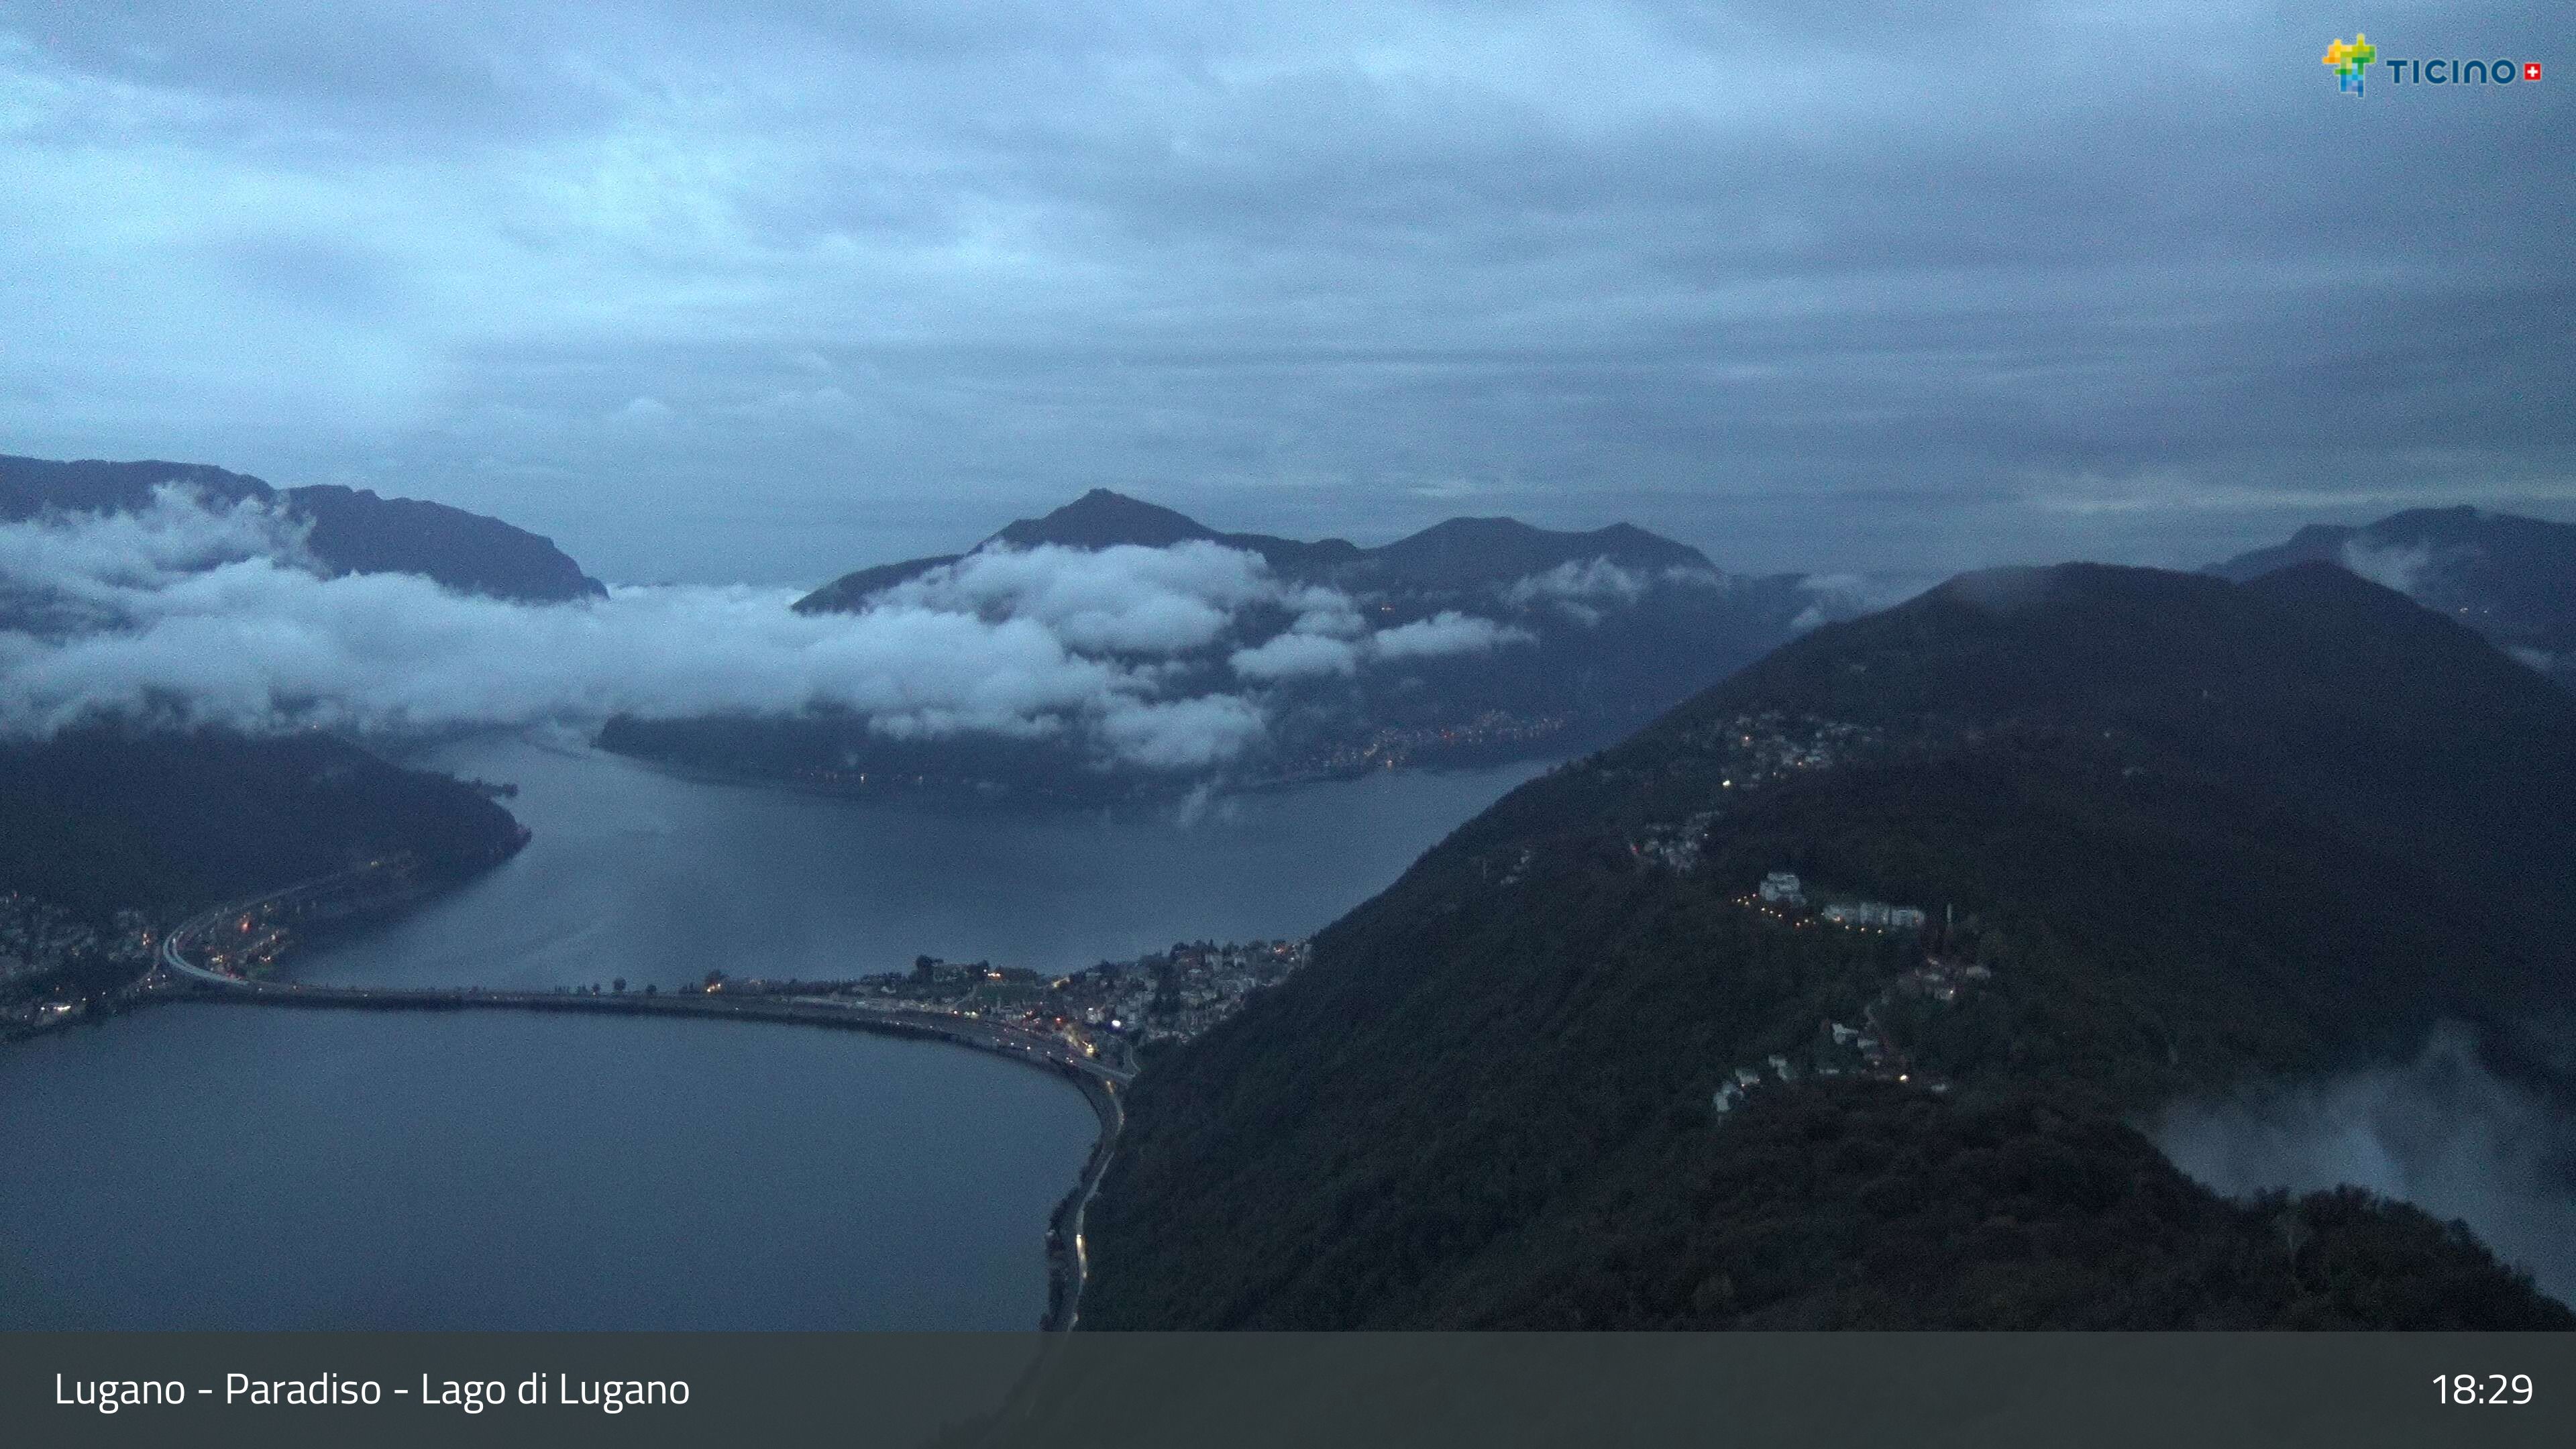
x=2169, y=834
x=1591, y=633
x=353, y=532
x=1461, y=554
x=2512, y=579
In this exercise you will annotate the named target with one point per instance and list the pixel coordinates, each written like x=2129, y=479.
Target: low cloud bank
x=2418, y=572
x=2562, y=666
x=2442, y=1132
x=1122, y=599
x=1297, y=655
x=71, y=574
x=1447, y=632
x=2398, y=566
x=1848, y=596
x=1300, y=653
x=183, y=614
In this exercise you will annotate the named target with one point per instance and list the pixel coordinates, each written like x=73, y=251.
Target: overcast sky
x=770, y=290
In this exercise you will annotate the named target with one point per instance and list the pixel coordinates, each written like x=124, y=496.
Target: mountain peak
x=2011, y=587
x=1103, y=519
x=1456, y=554
x=1463, y=551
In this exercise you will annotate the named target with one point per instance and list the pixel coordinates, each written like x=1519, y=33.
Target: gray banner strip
x=968, y=1391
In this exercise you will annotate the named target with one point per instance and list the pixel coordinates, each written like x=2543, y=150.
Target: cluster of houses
x=1754, y=750
x=1760, y=748
x=1732, y=1092
x=1674, y=847
x=1102, y=1011
x=39, y=938
x=1391, y=747
x=1943, y=979
x=1175, y=995
x=1782, y=894
x=1873, y=916
x=40, y=941
x=1840, y=1049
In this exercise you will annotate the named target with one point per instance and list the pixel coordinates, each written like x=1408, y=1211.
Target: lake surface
x=655, y=878
x=243, y=1167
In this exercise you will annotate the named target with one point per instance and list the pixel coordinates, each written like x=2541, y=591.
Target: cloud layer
x=2399, y=566
x=2441, y=1132
x=748, y=292
x=185, y=614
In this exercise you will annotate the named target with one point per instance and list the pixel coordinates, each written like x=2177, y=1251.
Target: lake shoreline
x=636, y=873
x=1067, y=1264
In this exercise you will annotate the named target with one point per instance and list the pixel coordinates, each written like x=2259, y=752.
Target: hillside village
x=1751, y=751
x=1768, y=746
x=1868, y=1050
x=1115, y=1012
x=1747, y=753
x=46, y=952
x=1393, y=747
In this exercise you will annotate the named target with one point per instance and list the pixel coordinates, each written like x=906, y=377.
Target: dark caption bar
x=968, y=1391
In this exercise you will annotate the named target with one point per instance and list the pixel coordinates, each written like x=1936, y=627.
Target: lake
x=204, y=1166
x=660, y=879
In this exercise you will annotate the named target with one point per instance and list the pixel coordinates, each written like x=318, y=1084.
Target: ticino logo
x=2350, y=60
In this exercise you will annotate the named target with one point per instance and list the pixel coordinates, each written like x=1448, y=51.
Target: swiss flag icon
x=2531, y=70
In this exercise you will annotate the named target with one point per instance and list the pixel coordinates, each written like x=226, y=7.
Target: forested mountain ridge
x=1460, y=553
x=2190, y=832
x=1573, y=639
x=103, y=818
x=2329, y=697
x=2511, y=578
x=352, y=531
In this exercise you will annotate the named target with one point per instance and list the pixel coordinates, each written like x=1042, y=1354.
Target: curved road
x=1113, y=1120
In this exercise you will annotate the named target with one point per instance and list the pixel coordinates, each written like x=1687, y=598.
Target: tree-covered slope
x=2309, y=688
x=100, y=819
x=2182, y=825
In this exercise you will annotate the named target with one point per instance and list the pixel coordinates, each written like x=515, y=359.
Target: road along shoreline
x=1067, y=1264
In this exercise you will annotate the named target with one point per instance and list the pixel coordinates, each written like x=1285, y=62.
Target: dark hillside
x=2177, y=822
x=101, y=820
x=1868, y=1207
x=2311, y=688
x=2512, y=579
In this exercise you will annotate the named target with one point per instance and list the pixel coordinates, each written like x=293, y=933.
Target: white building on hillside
x=1874, y=913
